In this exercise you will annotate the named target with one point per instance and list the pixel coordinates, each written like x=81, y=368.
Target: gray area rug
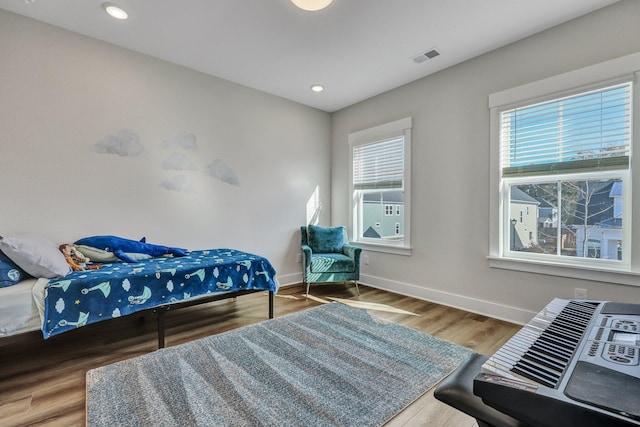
x=331, y=365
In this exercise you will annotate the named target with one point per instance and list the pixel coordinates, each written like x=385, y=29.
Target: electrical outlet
x=299, y=258
x=579, y=293
x=365, y=259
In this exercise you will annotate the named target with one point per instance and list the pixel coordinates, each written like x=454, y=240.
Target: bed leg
x=271, y=299
x=160, y=314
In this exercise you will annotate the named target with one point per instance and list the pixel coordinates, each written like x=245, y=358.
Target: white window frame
x=610, y=72
x=623, y=175
x=390, y=130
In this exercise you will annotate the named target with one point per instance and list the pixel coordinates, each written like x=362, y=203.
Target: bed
x=18, y=310
x=153, y=285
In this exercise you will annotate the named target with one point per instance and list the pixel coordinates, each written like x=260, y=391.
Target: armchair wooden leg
x=357, y=289
x=307, y=294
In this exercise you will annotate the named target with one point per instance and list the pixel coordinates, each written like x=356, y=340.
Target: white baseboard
x=474, y=305
x=290, y=279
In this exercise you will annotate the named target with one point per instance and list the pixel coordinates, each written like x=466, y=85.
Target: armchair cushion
x=326, y=239
x=331, y=263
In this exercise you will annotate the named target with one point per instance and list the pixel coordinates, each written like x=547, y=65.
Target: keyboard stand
x=457, y=391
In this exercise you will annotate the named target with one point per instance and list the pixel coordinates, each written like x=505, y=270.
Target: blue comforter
x=118, y=289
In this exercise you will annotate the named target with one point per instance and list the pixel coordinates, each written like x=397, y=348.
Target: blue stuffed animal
x=120, y=247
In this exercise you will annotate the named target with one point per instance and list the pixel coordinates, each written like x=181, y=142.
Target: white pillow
x=95, y=254
x=99, y=255
x=36, y=255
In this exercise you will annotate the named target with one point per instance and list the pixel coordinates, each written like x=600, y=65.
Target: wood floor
x=43, y=382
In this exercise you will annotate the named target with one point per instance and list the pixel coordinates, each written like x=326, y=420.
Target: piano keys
x=575, y=363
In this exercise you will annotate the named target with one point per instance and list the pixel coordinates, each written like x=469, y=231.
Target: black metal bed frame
x=161, y=310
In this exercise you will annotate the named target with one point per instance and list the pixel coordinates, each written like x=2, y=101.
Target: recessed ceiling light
x=317, y=88
x=115, y=11
x=312, y=5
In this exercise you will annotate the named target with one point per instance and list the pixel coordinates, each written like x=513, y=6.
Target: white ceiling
x=355, y=48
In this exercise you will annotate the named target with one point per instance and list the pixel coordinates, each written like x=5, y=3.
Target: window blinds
x=379, y=165
x=590, y=130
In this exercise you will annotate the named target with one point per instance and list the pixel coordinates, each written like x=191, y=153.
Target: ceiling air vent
x=430, y=54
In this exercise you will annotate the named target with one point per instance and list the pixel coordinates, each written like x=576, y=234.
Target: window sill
x=623, y=277
x=396, y=250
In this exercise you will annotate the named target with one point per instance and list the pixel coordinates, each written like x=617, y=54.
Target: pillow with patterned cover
x=10, y=273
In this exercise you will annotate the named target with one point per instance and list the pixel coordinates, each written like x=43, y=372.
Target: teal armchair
x=328, y=257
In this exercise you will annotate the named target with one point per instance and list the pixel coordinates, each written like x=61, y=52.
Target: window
x=567, y=158
x=380, y=186
x=388, y=210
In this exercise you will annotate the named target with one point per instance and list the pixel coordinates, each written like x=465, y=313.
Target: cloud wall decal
x=178, y=161
x=183, y=140
x=124, y=143
x=219, y=170
x=178, y=183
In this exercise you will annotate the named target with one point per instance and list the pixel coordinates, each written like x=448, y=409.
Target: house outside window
x=380, y=187
x=568, y=160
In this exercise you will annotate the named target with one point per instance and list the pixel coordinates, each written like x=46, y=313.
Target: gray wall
x=61, y=93
x=245, y=184
x=450, y=182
